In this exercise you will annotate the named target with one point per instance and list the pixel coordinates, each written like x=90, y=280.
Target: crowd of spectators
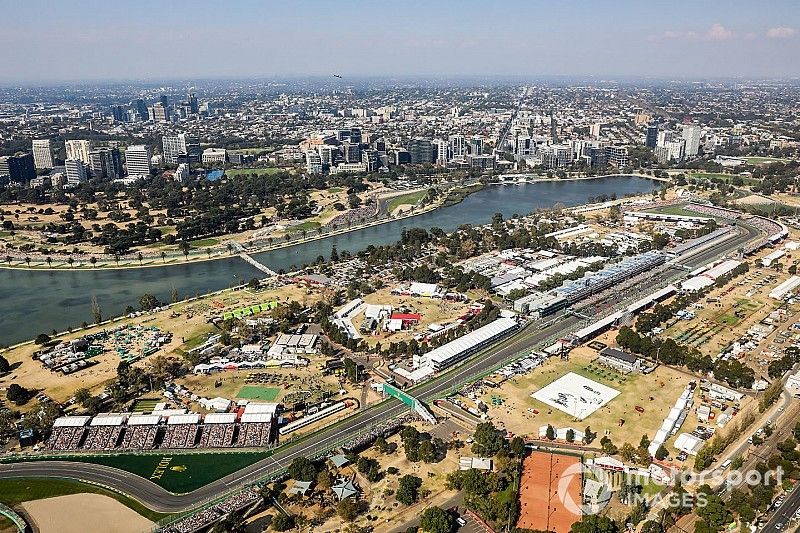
x=208, y=516
x=352, y=216
x=102, y=437
x=180, y=436
x=254, y=434
x=139, y=437
x=66, y=438
x=217, y=435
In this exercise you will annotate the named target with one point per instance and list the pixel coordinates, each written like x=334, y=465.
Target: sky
x=73, y=40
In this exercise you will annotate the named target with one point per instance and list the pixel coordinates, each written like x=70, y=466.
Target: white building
x=182, y=173
x=78, y=149
x=349, y=167
x=691, y=135
x=137, y=160
x=177, y=146
x=313, y=162
x=214, y=155
x=458, y=146
x=76, y=171
x=442, y=148
x=42, y=153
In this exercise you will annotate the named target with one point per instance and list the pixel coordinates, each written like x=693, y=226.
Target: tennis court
x=253, y=392
x=550, y=492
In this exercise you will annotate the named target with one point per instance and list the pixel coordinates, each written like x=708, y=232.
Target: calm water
x=34, y=302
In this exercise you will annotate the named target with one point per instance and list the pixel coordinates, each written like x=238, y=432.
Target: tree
x=550, y=433
x=427, y=452
x=517, y=446
x=148, y=302
x=282, y=522
x=42, y=338
x=661, y=453
x=651, y=526
x=570, y=435
x=4, y=365
x=488, y=439
x=408, y=490
x=348, y=509
x=18, y=394
x=595, y=524
x=185, y=247
x=302, y=469
x=82, y=396
x=97, y=313
x=436, y=520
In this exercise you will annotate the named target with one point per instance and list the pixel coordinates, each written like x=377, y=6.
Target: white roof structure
x=784, y=288
x=269, y=408
x=71, y=421
x=444, y=353
x=192, y=418
x=696, y=283
x=722, y=268
x=688, y=443
x=108, y=420
x=256, y=417
x=144, y=420
x=220, y=418
x=169, y=412
x=416, y=375
x=423, y=289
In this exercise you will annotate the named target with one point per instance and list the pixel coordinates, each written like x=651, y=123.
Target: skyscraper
x=78, y=149
x=105, y=163
x=458, y=146
x=19, y=168
x=651, y=141
x=476, y=146
x=137, y=160
x=192, y=99
x=42, y=153
x=119, y=113
x=691, y=134
x=141, y=108
x=159, y=113
x=421, y=151
x=180, y=148
x=313, y=162
x=76, y=171
x=442, y=149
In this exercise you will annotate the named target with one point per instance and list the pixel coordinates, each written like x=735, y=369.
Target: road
x=160, y=500
x=784, y=514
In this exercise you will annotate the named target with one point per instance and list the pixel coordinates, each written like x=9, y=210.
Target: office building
x=42, y=153
x=105, y=163
x=76, y=171
x=214, y=155
x=458, y=146
x=651, y=140
x=137, y=160
x=19, y=168
x=313, y=162
x=182, y=173
x=140, y=107
x=402, y=157
x=476, y=146
x=159, y=113
x=355, y=136
x=326, y=152
x=119, y=113
x=350, y=152
x=617, y=156
x=192, y=99
x=421, y=151
x=596, y=129
x=180, y=148
x=482, y=162
x=441, y=149
x=78, y=149
x=691, y=134
x=369, y=158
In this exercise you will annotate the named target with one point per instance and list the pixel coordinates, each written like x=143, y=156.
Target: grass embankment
x=263, y=171
x=178, y=473
x=15, y=491
x=405, y=199
x=457, y=195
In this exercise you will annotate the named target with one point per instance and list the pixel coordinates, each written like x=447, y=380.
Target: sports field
x=254, y=392
x=550, y=492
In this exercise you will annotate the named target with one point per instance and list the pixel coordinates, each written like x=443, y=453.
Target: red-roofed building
x=409, y=319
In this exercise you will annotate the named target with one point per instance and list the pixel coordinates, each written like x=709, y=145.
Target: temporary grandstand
x=181, y=431
x=218, y=430
x=575, y=291
x=68, y=432
x=104, y=432
x=454, y=351
x=140, y=433
x=255, y=430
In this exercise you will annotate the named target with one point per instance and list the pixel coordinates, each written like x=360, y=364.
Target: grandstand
x=141, y=432
x=575, y=291
x=104, y=432
x=218, y=429
x=255, y=429
x=67, y=432
x=181, y=431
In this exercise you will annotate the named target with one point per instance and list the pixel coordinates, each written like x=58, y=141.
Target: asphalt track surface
x=160, y=500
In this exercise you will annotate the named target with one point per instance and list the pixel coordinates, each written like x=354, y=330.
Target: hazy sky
x=111, y=39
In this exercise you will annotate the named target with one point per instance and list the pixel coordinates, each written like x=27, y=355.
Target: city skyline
x=252, y=39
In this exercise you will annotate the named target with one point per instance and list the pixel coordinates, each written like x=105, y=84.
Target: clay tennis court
x=541, y=507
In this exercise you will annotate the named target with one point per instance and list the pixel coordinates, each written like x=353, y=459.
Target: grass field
x=763, y=160
x=16, y=491
x=254, y=392
x=203, y=243
x=410, y=198
x=247, y=171
x=145, y=404
x=307, y=225
x=185, y=471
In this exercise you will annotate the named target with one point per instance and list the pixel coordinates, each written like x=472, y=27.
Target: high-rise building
x=458, y=146
x=141, y=108
x=192, y=99
x=351, y=153
x=180, y=148
x=691, y=134
x=355, y=135
x=313, y=162
x=596, y=129
x=42, y=153
x=137, y=160
x=476, y=145
x=119, y=113
x=651, y=141
x=442, y=149
x=159, y=113
x=617, y=155
x=19, y=168
x=421, y=151
x=326, y=152
x=105, y=163
x=76, y=171
x=369, y=158
x=78, y=149
x=164, y=101
x=182, y=173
